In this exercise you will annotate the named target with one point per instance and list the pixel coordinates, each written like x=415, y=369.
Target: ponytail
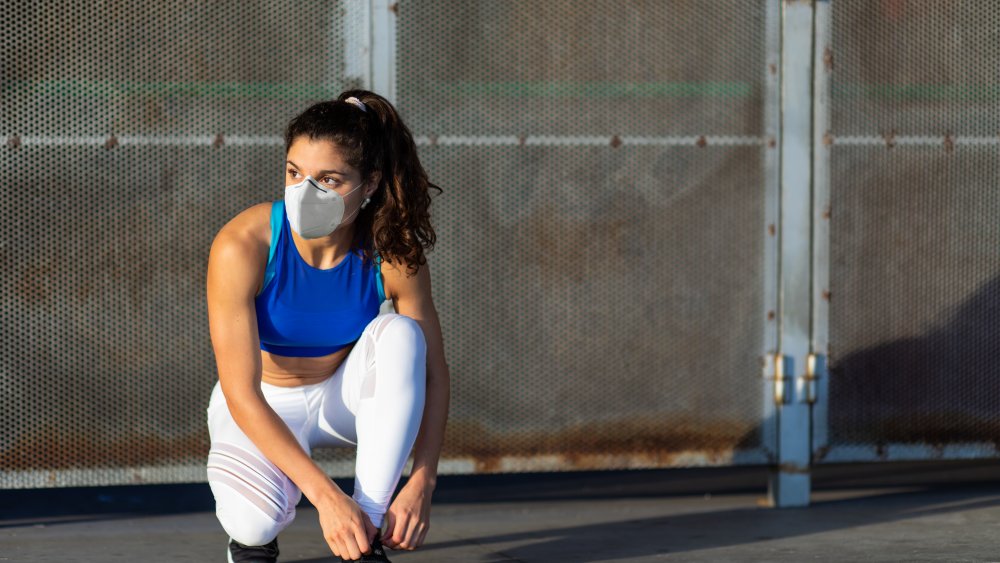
x=400, y=226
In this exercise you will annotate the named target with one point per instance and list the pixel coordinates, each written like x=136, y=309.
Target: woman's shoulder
x=247, y=235
x=403, y=281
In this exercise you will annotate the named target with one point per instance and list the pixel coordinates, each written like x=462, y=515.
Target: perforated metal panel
x=133, y=132
x=915, y=268
x=600, y=262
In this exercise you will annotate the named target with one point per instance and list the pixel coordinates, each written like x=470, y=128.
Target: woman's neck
x=325, y=252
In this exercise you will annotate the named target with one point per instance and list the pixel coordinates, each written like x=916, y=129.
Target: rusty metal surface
x=109, y=208
x=569, y=68
x=915, y=280
x=645, y=442
x=601, y=304
x=106, y=357
x=915, y=68
x=916, y=290
x=606, y=299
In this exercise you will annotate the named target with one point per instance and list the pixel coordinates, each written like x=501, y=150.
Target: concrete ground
x=867, y=512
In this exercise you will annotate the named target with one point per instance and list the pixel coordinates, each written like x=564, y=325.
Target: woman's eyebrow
x=321, y=172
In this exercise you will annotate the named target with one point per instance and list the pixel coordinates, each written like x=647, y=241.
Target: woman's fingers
x=370, y=530
x=423, y=534
x=361, y=537
x=399, y=531
x=349, y=543
x=411, y=533
x=389, y=524
x=339, y=549
x=408, y=533
x=391, y=531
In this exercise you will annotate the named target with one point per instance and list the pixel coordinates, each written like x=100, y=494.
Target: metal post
x=772, y=210
x=357, y=18
x=822, y=143
x=789, y=482
x=383, y=70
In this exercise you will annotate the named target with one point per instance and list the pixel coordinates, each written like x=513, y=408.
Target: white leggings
x=374, y=401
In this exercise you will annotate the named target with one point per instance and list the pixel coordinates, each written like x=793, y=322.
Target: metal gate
x=602, y=271
x=603, y=241
x=907, y=291
x=614, y=230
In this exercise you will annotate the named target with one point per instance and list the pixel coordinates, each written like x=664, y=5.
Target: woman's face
x=321, y=159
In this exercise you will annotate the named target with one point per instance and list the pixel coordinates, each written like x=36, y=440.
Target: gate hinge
x=778, y=375
x=804, y=389
x=815, y=368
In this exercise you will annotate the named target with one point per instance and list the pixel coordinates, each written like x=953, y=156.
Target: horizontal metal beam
x=195, y=473
x=217, y=140
x=906, y=452
x=425, y=140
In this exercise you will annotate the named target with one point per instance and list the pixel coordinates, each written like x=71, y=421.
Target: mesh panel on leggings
x=600, y=297
x=914, y=274
x=134, y=131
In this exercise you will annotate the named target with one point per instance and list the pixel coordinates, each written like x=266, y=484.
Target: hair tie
x=357, y=102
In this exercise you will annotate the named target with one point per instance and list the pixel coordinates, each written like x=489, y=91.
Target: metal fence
x=914, y=231
x=609, y=261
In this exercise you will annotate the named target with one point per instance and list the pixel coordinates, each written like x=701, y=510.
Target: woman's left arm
x=408, y=517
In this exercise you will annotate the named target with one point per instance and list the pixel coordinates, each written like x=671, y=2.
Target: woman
x=294, y=290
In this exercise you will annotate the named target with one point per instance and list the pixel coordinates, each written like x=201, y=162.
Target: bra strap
x=378, y=277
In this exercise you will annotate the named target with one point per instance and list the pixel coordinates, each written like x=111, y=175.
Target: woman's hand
x=408, y=517
x=346, y=528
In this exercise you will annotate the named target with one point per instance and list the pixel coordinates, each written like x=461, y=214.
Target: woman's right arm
x=235, y=267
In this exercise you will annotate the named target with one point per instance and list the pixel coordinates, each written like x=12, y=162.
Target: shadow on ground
x=702, y=529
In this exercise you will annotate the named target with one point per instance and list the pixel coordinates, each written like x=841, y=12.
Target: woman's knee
x=400, y=330
x=253, y=500
x=244, y=518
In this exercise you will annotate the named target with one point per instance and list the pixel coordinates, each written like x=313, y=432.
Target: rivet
x=890, y=139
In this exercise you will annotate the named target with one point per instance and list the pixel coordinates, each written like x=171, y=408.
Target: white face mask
x=314, y=211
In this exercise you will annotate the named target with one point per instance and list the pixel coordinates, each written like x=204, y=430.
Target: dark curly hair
x=376, y=142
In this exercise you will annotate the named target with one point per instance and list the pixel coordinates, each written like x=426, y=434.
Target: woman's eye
x=330, y=180
x=293, y=173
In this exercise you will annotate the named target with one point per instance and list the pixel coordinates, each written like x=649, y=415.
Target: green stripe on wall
x=919, y=92
x=481, y=89
x=117, y=88
x=595, y=89
x=283, y=91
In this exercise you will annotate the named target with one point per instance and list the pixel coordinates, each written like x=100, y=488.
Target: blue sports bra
x=304, y=311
